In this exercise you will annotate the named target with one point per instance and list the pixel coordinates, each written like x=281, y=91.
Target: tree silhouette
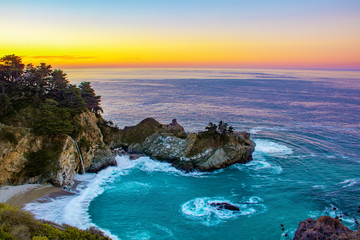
x=88, y=94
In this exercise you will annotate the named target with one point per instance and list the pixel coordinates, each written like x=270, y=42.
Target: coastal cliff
x=202, y=151
x=30, y=158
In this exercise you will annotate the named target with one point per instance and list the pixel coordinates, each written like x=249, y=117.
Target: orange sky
x=263, y=34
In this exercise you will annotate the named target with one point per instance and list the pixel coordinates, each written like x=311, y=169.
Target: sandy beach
x=20, y=195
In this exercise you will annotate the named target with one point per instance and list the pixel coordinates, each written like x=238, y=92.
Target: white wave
x=259, y=165
x=350, y=182
x=73, y=210
x=147, y=164
x=255, y=130
x=347, y=220
x=319, y=186
x=201, y=210
x=271, y=148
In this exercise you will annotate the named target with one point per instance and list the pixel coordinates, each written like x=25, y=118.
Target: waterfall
x=82, y=162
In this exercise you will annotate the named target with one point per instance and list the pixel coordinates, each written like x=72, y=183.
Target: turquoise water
x=306, y=161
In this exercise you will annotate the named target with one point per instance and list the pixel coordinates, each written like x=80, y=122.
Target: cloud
x=64, y=57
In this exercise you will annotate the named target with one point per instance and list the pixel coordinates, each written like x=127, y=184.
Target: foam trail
x=200, y=209
x=76, y=211
x=350, y=182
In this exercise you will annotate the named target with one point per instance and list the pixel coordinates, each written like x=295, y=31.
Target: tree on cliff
x=221, y=129
x=42, y=98
x=92, y=101
x=11, y=68
x=53, y=120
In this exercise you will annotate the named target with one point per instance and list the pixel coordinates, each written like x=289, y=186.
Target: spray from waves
x=263, y=151
x=271, y=148
x=202, y=210
x=148, y=165
x=256, y=130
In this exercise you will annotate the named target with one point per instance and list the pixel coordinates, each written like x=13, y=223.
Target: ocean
x=306, y=126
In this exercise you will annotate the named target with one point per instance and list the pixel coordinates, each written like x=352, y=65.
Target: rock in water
x=224, y=205
x=194, y=151
x=324, y=227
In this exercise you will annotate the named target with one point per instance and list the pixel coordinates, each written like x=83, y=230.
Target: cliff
x=194, y=151
x=30, y=158
x=324, y=227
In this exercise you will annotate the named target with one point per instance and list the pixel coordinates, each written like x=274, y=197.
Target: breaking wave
x=201, y=210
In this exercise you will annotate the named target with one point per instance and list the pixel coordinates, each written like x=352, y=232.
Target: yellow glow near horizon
x=321, y=42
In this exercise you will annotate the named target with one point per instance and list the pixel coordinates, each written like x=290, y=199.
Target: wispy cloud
x=63, y=57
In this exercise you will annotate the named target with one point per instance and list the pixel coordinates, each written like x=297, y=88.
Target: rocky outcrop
x=224, y=206
x=56, y=165
x=95, y=153
x=198, y=151
x=13, y=160
x=324, y=227
x=12, y=149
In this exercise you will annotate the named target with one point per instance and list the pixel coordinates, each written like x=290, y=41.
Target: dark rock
x=224, y=205
x=135, y=156
x=174, y=128
x=101, y=162
x=324, y=227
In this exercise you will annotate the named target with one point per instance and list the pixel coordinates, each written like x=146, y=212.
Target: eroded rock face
x=96, y=155
x=12, y=159
x=324, y=227
x=196, y=152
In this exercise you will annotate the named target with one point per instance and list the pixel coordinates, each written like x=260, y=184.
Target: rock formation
x=324, y=227
x=14, y=159
x=193, y=151
x=30, y=158
x=224, y=205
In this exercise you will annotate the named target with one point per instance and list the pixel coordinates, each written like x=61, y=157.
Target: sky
x=310, y=34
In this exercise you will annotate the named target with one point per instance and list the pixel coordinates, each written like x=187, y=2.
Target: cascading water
x=82, y=162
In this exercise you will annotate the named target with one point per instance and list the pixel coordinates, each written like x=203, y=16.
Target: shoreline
x=20, y=195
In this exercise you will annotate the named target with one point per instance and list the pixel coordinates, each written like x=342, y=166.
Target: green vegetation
x=44, y=161
x=16, y=224
x=214, y=137
x=7, y=134
x=42, y=98
x=221, y=129
x=138, y=133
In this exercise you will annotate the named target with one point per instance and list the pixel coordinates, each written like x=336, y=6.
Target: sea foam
x=201, y=210
x=73, y=209
x=261, y=162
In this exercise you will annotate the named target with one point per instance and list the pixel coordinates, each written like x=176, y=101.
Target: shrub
x=44, y=161
x=8, y=135
x=84, y=143
x=16, y=224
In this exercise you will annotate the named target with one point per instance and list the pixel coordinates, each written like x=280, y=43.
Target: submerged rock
x=324, y=227
x=194, y=151
x=224, y=205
